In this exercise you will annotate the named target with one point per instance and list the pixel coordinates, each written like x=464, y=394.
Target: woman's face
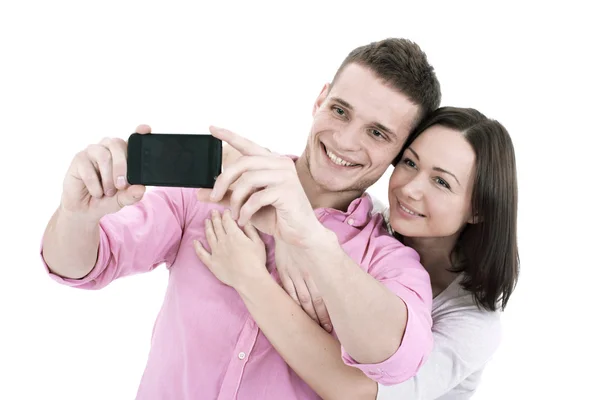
x=430, y=189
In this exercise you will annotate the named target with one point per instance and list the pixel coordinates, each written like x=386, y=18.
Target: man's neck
x=318, y=196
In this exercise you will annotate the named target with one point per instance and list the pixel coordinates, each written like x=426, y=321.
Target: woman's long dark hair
x=486, y=252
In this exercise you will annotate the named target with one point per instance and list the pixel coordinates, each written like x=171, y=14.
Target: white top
x=464, y=337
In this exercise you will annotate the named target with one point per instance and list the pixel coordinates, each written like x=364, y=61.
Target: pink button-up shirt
x=205, y=344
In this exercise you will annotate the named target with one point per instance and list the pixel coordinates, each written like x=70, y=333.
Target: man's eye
x=339, y=111
x=377, y=134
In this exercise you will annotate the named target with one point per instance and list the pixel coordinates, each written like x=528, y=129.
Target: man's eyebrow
x=384, y=128
x=342, y=102
x=377, y=125
x=435, y=168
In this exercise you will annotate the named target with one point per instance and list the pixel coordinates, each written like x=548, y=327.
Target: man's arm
x=133, y=240
x=370, y=320
x=70, y=244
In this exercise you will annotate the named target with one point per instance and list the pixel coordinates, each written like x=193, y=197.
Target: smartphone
x=173, y=159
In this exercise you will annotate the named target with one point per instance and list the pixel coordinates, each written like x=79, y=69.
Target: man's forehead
x=360, y=90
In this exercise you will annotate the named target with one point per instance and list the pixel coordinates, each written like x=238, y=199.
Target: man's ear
x=321, y=98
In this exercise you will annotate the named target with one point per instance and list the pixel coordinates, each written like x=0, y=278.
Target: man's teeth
x=408, y=211
x=339, y=161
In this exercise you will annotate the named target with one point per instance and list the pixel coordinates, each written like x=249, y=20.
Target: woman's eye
x=409, y=162
x=442, y=182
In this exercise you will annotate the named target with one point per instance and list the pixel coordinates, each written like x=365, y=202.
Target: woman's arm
x=464, y=341
x=311, y=352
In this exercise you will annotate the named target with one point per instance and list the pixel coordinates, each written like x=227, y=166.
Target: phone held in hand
x=173, y=159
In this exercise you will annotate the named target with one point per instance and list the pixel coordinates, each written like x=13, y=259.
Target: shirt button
x=242, y=355
x=350, y=221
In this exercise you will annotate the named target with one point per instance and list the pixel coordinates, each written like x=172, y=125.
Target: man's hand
x=263, y=187
x=96, y=184
x=296, y=281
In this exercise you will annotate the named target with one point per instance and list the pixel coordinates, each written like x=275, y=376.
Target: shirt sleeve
x=398, y=268
x=463, y=344
x=136, y=239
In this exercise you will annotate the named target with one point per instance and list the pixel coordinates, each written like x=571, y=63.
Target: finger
x=89, y=175
x=229, y=155
x=100, y=157
x=241, y=144
x=303, y=294
x=130, y=196
x=203, y=195
x=201, y=252
x=244, y=165
x=248, y=184
x=210, y=234
x=217, y=225
x=143, y=129
x=118, y=151
x=255, y=202
x=288, y=286
x=252, y=233
x=319, y=305
x=229, y=225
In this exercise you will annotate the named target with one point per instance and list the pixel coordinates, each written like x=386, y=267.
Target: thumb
x=130, y=196
x=203, y=195
x=252, y=233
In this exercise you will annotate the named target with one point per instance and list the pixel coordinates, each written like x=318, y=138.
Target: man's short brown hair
x=402, y=65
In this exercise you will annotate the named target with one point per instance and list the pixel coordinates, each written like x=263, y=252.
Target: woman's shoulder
x=456, y=310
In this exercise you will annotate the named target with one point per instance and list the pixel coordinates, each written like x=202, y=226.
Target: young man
x=205, y=344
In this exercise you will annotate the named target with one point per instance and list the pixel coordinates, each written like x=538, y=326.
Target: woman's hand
x=234, y=255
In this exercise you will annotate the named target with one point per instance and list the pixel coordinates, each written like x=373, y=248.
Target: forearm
x=310, y=351
x=369, y=319
x=70, y=245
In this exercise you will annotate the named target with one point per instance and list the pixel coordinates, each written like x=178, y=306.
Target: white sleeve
x=464, y=341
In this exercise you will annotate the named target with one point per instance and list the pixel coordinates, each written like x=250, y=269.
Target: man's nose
x=350, y=138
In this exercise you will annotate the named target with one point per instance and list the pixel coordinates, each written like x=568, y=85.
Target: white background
x=75, y=72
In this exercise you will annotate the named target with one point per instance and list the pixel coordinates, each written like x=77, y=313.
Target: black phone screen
x=179, y=160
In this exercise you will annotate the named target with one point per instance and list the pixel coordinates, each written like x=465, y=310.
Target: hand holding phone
x=176, y=160
x=95, y=183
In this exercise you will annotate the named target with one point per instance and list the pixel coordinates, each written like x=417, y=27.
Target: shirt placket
x=238, y=360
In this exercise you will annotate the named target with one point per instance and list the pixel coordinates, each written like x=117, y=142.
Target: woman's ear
x=475, y=219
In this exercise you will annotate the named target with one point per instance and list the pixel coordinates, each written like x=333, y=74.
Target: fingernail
x=121, y=181
x=110, y=192
x=327, y=327
x=213, y=195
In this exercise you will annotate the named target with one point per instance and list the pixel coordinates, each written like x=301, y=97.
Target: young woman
x=453, y=198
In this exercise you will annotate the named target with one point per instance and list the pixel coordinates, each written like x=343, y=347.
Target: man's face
x=359, y=126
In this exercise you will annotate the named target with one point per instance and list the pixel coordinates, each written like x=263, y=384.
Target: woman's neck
x=435, y=256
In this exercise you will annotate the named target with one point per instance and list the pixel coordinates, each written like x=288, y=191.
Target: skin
x=442, y=201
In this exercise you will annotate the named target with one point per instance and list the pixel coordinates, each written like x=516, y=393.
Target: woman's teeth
x=410, y=212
